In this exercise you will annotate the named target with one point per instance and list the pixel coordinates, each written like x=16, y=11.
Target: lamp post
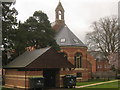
x=1, y=46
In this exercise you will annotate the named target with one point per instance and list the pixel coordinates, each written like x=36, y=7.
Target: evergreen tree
x=9, y=24
x=39, y=31
x=39, y=27
x=35, y=32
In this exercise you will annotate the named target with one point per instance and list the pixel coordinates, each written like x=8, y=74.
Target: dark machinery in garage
x=69, y=81
x=36, y=83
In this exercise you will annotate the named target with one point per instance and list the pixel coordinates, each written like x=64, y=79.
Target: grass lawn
x=7, y=89
x=107, y=85
x=89, y=82
x=111, y=86
x=95, y=89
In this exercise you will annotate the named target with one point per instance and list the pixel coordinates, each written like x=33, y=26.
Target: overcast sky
x=79, y=14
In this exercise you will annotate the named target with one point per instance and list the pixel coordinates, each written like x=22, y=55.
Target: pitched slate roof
x=27, y=57
x=40, y=58
x=65, y=37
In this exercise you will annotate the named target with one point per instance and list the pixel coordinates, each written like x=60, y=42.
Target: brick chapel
x=49, y=63
x=72, y=48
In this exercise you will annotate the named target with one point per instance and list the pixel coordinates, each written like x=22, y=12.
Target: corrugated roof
x=65, y=37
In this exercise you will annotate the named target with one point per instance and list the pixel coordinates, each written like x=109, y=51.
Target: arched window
x=60, y=15
x=64, y=54
x=78, y=60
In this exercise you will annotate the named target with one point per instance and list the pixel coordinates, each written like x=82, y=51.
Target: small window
x=75, y=40
x=105, y=66
x=79, y=75
x=98, y=66
x=62, y=40
x=43, y=30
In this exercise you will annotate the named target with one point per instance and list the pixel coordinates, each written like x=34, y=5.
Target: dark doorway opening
x=50, y=77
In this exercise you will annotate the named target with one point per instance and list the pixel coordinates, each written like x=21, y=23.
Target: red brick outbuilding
x=45, y=62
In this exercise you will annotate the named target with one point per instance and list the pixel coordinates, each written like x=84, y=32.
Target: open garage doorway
x=51, y=77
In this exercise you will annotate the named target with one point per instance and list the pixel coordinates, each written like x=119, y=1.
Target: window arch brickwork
x=78, y=60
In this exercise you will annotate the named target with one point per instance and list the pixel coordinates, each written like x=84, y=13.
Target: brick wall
x=103, y=65
x=58, y=25
x=16, y=79
x=71, y=51
x=92, y=61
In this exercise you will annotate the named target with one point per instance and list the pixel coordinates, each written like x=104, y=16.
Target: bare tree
x=114, y=61
x=104, y=36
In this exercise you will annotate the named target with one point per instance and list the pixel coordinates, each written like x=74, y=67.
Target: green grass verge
x=95, y=89
x=106, y=85
x=89, y=82
x=6, y=88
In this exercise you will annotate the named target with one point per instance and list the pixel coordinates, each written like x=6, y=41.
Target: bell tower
x=59, y=17
x=59, y=12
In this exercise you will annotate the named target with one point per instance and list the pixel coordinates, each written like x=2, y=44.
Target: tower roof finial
x=59, y=0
